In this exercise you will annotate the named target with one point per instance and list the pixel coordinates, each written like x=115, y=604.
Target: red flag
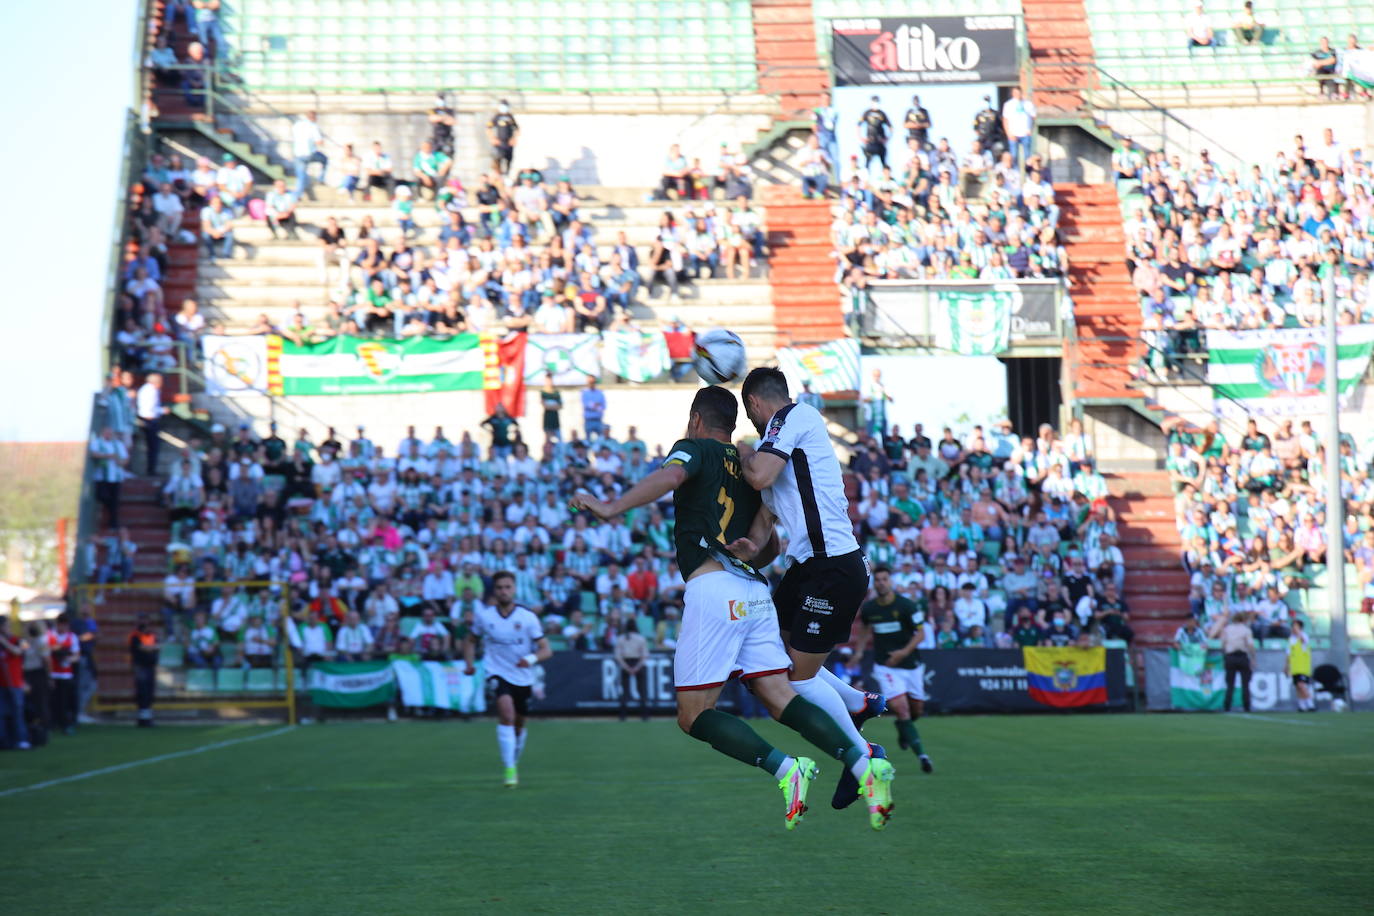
x=503, y=377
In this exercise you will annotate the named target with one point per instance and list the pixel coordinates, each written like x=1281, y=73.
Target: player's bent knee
x=805, y=665
x=774, y=691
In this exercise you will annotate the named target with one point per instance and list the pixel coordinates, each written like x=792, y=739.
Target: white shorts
x=897, y=681
x=729, y=627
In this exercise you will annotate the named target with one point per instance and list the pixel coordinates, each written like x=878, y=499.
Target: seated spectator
x=1198, y=30
x=217, y=230
x=1324, y=64
x=815, y=167
x=281, y=210
x=1248, y=29
x=677, y=182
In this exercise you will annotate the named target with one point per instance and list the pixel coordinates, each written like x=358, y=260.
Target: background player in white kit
x=826, y=581
x=512, y=644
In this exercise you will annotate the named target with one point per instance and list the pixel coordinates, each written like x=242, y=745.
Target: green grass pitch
x=1036, y=814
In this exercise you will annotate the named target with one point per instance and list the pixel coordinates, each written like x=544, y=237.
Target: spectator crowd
x=1215, y=248
x=1252, y=519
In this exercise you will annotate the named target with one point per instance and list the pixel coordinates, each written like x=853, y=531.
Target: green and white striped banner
x=351, y=685
x=636, y=356
x=832, y=366
x=355, y=365
x=1196, y=678
x=442, y=685
x=1283, y=372
x=972, y=323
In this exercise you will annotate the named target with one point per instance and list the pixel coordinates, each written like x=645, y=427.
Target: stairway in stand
x=150, y=528
x=785, y=47
x=1062, y=53
x=1156, y=584
x=1106, y=310
x=806, y=302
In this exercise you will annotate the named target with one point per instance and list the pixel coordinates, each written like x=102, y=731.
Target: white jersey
x=506, y=640
x=808, y=495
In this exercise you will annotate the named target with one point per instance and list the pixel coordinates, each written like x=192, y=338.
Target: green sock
x=734, y=738
x=906, y=732
x=811, y=722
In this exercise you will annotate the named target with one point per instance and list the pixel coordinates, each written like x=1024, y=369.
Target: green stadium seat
x=200, y=680
x=408, y=625
x=646, y=626
x=587, y=601
x=297, y=677
x=260, y=679
x=171, y=655
x=557, y=643
x=229, y=680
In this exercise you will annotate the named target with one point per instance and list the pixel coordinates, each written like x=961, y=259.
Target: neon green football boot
x=512, y=778
x=876, y=788
x=794, y=784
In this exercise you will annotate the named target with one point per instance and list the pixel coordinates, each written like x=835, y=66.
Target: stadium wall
x=618, y=150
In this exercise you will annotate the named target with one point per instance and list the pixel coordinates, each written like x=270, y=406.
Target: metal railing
x=1171, y=132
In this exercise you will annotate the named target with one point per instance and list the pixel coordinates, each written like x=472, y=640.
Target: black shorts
x=1301, y=679
x=818, y=599
x=520, y=696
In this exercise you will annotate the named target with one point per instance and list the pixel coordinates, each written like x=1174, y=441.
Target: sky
x=67, y=72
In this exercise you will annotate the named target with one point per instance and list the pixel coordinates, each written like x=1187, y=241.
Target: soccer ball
x=719, y=356
x=1338, y=705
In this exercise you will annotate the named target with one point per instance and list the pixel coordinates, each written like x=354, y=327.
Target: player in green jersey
x=895, y=625
x=729, y=624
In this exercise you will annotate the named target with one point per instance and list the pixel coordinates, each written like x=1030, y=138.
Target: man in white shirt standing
x=1018, y=122
x=108, y=457
x=306, y=139
x=148, y=406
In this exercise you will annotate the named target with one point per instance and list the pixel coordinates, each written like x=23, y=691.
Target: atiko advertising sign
x=941, y=49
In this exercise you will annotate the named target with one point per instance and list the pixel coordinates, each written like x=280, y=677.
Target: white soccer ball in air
x=1338, y=705
x=719, y=356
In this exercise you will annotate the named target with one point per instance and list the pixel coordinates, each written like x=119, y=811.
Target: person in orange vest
x=65, y=651
x=144, y=651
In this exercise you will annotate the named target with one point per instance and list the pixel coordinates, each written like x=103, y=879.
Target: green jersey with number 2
x=713, y=506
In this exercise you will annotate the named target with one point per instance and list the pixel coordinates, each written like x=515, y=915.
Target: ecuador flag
x=1066, y=677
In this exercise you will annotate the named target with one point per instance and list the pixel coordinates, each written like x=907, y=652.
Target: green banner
x=441, y=685
x=1283, y=372
x=356, y=365
x=636, y=356
x=1196, y=678
x=972, y=323
x=351, y=685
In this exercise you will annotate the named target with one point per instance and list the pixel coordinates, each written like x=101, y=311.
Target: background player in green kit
x=894, y=623
x=729, y=624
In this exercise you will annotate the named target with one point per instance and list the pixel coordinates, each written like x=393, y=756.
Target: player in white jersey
x=827, y=575
x=512, y=644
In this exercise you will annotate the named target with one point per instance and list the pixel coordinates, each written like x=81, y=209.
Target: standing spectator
x=917, y=124
x=809, y=397
x=825, y=119
x=148, y=407
x=281, y=210
x=110, y=458
x=987, y=125
x=306, y=139
x=1018, y=123
x=502, y=133
x=65, y=654
x=85, y=628
x=593, y=410
x=143, y=652
x=551, y=399
x=442, y=120
x=874, y=129
x=631, y=655
x=207, y=26
x=876, y=400
x=15, y=732
x=1238, y=653
x=815, y=167
x=501, y=423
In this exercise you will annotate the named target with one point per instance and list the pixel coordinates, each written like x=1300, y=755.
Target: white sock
x=784, y=767
x=520, y=742
x=853, y=697
x=819, y=692
x=505, y=738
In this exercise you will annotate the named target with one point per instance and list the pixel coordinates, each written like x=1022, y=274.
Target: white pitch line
x=138, y=763
x=1250, y=715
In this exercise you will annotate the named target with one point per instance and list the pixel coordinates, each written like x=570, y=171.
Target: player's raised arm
x=761, y=468
x=649, y=490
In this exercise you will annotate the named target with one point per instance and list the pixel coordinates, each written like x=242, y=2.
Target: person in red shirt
x=15, y=731
x=643, y=582
x=66, y=655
